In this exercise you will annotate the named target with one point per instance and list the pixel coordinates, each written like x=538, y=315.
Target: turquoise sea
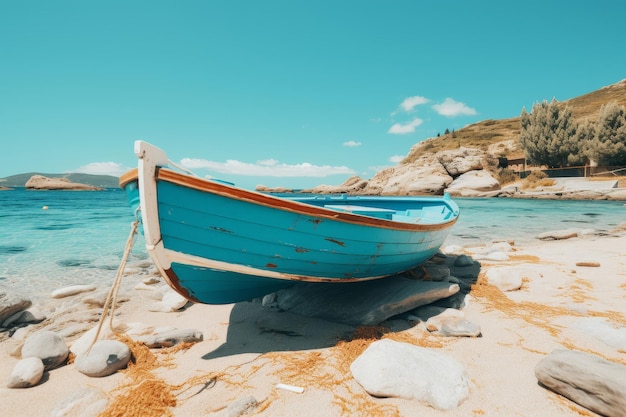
x=81, y=235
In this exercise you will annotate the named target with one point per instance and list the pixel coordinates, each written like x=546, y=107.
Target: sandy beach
x=574, y=290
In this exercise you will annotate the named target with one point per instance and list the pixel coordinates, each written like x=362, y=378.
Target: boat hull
x=219, y=244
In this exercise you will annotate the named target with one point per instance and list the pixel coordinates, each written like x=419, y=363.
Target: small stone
x=588, y=264
x=47, y=346
x=72, y=290
x=458, y=327
x=172, y=337
x=269, y=300
x=558, y=234
x=26, y=373
x=463, y=260
x=505, y=279
x=104, y=358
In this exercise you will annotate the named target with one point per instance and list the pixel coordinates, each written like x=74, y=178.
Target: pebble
x=26, y=373
x=72, y=290
x=558, y=234
x=172, y=337
x=47, y=346
x=505, y=279
x=170, y=301
x=459, y=327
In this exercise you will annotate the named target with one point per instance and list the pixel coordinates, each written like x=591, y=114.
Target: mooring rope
x=111, y=300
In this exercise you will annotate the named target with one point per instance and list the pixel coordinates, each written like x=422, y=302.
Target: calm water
x=81, y=237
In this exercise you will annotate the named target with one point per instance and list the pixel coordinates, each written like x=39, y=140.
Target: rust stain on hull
x=338, y=242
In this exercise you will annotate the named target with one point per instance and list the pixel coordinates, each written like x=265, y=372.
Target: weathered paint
x=218, y=252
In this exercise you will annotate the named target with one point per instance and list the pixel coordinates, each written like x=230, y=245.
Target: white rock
x=506, y=279
x=171, y=301
x=104, y=358
x=558, y=234
x=47, y=346
x=26, y=373
x=461, y=160
x=173, y=337
x=394, y=369
x=72, y=290
x=473, y=180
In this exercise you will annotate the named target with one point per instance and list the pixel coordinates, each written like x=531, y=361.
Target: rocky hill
x=39, y=182
x=100, y=181
x=501, y=137
x=463, y=163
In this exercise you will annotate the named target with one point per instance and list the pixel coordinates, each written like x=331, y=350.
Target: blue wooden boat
x=215, y=243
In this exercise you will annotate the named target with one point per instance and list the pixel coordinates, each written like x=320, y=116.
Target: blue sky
x=282, y=93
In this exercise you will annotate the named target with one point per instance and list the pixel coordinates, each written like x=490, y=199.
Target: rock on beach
x=586, y=379
x=26, y=373
x=365, y=303
x=11, y=303
x=47, y=346
x=104, y=358
x=72, y=290
x=394, y=369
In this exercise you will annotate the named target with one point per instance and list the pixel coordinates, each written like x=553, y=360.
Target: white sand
x=246, y=358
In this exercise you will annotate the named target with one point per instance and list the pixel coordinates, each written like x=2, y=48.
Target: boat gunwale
x=201, y=184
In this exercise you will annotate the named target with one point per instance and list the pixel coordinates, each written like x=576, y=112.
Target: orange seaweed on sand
x=145, y=394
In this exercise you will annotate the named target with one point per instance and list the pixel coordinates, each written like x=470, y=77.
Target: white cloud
x=396, y=158
x=404, y=128
x=452, y=108
x=410, y=103
x=266, y=168
x=268, y=162
x=352, y=143
x=102, y=168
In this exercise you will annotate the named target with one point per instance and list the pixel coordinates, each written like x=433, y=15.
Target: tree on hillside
x=548, y=136
x=608, y=144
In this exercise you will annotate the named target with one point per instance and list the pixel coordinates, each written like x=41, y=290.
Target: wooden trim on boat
x=165, y=174
x=128, y=177
x=172, y=279
x=186, y=259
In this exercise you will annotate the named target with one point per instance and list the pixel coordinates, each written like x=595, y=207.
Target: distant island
x=97, y=181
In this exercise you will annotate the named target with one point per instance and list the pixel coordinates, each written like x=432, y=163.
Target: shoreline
x=247, y=349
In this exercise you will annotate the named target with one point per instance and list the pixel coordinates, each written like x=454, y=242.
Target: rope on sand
x=111, y=300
